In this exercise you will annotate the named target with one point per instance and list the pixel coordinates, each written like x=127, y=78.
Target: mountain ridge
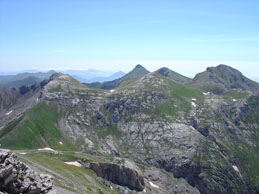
x=225, y=77
x=176, y=134
x=16, y=81
x=173, y=75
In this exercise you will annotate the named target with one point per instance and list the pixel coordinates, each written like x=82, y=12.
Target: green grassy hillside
x=37, y=128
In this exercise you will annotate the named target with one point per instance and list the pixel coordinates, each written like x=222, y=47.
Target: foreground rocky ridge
x=17, y=177
x=203, y=141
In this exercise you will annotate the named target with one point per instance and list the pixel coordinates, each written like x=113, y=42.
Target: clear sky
x=186, y=36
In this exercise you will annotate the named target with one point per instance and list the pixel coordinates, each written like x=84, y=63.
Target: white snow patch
x=153, y=185
x=75, y=163
x=144, y=191
x=234, y=100
x=8, y=112
x=235, y=168
x=61, y=143
x=47, y=149
x=112, y=90
x=22, y=153
x=206, y=93
x=194, y=99
x=193, y=104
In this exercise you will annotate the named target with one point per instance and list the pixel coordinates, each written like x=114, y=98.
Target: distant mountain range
x=17, y=79
x=92, y=75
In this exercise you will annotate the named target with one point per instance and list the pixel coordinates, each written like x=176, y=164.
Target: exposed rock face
x=16, y=177
x=119, y=174
x=24, y=89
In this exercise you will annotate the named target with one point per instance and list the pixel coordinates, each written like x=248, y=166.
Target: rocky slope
x=182, y=139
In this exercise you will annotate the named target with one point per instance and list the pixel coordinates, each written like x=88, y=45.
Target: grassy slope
x=36, y=129
x=84, y=181
x=180, y=98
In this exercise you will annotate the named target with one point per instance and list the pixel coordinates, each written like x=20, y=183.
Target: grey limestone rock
x=119, y=174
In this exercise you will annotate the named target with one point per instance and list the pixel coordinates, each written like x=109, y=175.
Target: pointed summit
x=164, y=71
x=139, y=66
x=137, y=72
x=55, y=76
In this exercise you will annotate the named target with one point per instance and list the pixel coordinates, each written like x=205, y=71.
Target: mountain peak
x=137, y=72
x=55, y=76
x=221, y=67
x=226, y=78
x=139, y=66
x=164, y=71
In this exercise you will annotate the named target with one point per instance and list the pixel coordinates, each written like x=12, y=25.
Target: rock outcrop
x=17, y=177
x=119, y=174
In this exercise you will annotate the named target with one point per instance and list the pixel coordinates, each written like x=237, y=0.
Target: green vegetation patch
x=84, y=180
x=235, y=94
x=180, y=98
x=36, y=129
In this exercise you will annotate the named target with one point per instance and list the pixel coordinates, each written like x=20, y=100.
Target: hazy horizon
x=110, y=72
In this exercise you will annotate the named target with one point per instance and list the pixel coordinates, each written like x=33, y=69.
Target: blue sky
x=186, y=36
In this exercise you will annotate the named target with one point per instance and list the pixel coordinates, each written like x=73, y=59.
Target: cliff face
x=119, y=174
x=206, y=142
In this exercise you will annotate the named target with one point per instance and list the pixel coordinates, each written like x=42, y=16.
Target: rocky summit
x=157, y=132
